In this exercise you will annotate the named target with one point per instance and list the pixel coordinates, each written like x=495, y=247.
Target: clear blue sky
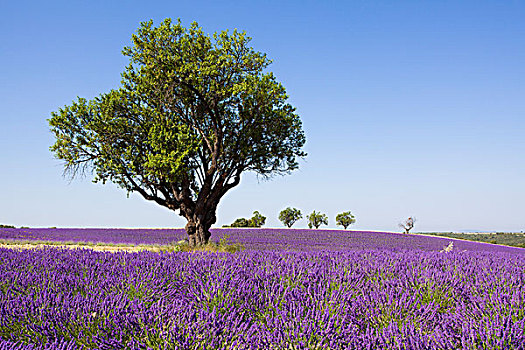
x=409, y=108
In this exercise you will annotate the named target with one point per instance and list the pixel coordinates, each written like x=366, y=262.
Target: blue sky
x=410, y=108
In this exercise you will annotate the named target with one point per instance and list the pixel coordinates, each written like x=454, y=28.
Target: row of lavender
x=375, y=299
x=94, y=235
x=258, y=239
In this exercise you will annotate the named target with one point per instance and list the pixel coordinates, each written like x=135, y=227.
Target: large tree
x=193, y=113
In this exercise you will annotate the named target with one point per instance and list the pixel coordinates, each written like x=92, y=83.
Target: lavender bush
x=116, y=236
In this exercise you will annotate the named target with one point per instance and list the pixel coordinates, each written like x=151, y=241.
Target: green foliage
x=7, y=226
x=193, y=112
x=316, y=219
x=257, y=220
x=224, y=246
x=289, y=216
x=345, y=219
x=241, y=222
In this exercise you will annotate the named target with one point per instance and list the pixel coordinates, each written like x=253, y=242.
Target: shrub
x=224, y=246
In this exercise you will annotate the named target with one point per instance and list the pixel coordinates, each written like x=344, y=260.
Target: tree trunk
x=198, y=229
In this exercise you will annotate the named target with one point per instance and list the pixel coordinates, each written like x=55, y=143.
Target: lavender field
x=289, y=289
x=256, y=239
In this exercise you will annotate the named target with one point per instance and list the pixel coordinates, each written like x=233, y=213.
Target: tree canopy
x=193, y=113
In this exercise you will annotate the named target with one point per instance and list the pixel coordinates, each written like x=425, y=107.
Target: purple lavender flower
x=290, y=289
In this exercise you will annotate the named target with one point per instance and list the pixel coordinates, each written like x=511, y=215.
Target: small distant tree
x=344, y=219
x=289, y=216
x=408, y=224
x=241, y=222
x=257, y=219
x=7, y=226
x=316, y=219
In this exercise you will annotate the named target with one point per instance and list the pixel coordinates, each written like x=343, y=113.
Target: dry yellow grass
x=212, y=247
x=99, y=248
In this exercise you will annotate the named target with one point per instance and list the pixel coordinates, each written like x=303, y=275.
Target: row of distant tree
x=290, y=216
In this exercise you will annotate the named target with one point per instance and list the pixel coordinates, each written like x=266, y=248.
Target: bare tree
x=408, y=224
